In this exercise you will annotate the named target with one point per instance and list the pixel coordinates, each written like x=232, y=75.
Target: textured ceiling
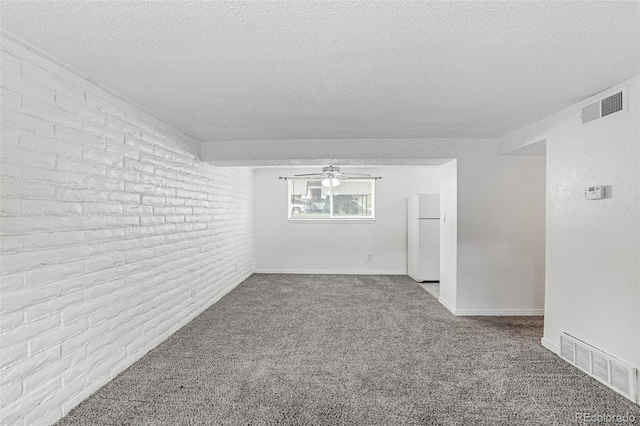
x=330, y=70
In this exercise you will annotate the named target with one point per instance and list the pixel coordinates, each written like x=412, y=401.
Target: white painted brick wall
x=113, y=235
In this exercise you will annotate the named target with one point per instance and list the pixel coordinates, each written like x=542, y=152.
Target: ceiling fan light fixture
x=330, y=182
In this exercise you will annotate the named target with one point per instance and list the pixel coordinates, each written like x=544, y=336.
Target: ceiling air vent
x=603, y=107
x=616, y=374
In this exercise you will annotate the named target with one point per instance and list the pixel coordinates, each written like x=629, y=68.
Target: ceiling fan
x=331, y=176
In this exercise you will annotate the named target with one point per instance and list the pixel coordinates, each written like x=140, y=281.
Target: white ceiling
x=333, y=70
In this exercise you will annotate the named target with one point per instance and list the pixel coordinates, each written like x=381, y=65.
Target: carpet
x=347, y=349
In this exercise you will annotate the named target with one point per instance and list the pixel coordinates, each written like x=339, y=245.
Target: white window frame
x=331, y=218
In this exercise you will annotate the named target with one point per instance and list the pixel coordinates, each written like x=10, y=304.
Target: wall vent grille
x=602, y=108
x=611, y=104
x=616, y=374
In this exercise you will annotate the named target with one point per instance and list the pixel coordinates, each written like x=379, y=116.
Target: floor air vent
x=618, y=375
x=603, y=107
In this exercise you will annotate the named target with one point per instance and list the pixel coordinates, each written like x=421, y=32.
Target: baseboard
x=447, y=305
x=550, y=345
x=491, y=312
x=332, y=272
x=499, y=312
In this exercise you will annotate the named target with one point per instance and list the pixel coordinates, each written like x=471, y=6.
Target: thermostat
x=594, y=192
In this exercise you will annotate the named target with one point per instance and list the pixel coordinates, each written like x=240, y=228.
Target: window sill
x=323, y=221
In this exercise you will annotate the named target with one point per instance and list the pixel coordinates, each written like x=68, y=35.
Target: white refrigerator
x=424, y=237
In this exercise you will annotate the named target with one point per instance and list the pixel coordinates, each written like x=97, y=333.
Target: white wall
x=114, y=235
x=285, y=246
x=449, y=234
x=493, y=252
x=501, y=228
x=593, y=247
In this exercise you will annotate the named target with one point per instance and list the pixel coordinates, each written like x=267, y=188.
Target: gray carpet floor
x=345, y=349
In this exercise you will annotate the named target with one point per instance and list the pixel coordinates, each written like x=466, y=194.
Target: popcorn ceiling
x=340, y=70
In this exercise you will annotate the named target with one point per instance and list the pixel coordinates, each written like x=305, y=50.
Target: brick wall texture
x=113, y=233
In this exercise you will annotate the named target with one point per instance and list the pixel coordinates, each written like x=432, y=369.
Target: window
x=351, y=200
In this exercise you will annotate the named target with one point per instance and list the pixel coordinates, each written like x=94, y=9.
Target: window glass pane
x=299, y=187
x=352, y=199
x=313, y=203
x=354, y=187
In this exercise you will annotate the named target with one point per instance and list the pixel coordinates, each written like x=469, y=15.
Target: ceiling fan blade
x=331, y=172
x=362, y=178
x=296, y=177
